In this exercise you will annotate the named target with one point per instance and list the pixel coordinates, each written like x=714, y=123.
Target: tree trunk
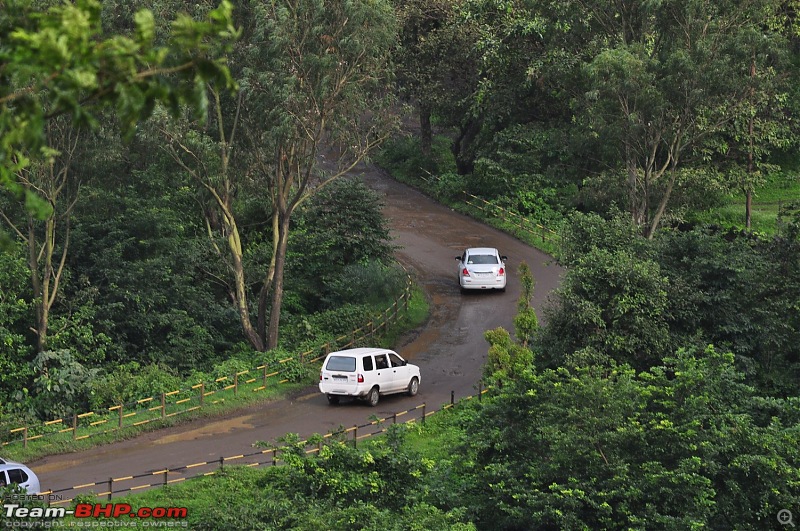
x=748, y=204
x=662, y=207
x=425, y=129
x=38, y=291
x=748, y=208
x=277, y=284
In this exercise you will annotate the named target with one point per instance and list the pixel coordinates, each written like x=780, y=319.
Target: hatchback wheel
x=413, y=386
x=373, y=396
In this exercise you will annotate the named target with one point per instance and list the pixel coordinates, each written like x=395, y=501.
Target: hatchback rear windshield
x=341, y=363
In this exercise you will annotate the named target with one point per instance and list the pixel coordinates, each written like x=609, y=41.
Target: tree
x=526, y=324
x=607, y=447
x=314, y=91
x=327, y=115
x=673, y=75
x=59, y=62
x=50, y=179
x=437, y=63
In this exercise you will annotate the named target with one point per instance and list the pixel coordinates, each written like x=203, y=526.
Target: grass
x=216, y=402
x=417, y=314
x=780, y=191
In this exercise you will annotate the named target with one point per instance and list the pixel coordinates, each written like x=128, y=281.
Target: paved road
x=450, y=350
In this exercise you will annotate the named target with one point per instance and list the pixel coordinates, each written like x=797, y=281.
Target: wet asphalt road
x=449, y=348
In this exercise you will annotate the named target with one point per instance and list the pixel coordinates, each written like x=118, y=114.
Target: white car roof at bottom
x=482, y=250
x=360, y=351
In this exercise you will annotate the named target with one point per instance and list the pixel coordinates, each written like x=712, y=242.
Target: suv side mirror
x=503, y=258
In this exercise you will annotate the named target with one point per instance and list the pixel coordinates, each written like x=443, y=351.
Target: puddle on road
x=209, y=430
x=56, y=465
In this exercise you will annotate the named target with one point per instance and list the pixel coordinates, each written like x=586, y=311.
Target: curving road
x=450, y=350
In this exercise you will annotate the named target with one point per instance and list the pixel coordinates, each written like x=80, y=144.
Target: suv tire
x=373, y=397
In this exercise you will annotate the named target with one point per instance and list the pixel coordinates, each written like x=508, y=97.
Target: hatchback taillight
x=501, y=272
x=360, y=378
x=465, y=272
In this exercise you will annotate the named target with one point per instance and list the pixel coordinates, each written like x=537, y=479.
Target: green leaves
x=603, y=446
x=59, y=61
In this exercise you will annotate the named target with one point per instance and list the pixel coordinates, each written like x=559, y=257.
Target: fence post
x=355, y=435
x=480, y=391
x=423, y=413
x=163, y=405
x=25, y=437
x=221, y=461
x=265, y=376
x=166, y=472
x=452, y=397
x=119, y=424
x=202, y=392
x=235, y=384
x=394, y=418
x=274, y=456
x=74, y=425
x=110, y=487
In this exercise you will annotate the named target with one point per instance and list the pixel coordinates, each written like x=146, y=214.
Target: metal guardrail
x=517, y=221
x=107, y=488
x=168, y=404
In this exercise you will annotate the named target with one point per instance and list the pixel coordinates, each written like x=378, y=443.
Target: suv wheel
x=413, y=386
x=373, y=396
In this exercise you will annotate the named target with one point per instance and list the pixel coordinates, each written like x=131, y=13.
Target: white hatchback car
x=12, y=472
x=367, y=373
x=482, y=268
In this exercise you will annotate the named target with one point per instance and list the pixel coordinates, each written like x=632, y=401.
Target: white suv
x=12, y=472
x=367, y=373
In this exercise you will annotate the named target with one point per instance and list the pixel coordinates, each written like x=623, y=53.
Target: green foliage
x=613, y=302
x=605, y=447
x=141, y=260
x=404, y=156
x=129, y=382
x=15, y=310
x=92, y=71
x=506, y=360
x=369, y=284
x=526, y=324
x=340, y=254
x=61, y=385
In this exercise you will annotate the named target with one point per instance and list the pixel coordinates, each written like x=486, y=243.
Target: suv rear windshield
x=341, y=363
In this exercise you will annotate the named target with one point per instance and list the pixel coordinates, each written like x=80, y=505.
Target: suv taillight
x=501, y=272
x=465, y=272
x=360, y=378
x=320, y=376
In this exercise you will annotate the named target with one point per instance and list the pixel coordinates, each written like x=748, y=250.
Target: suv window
x=381, y=362
x=368, y=363
x=341, y=363
x=396, y=361
x=16, y=475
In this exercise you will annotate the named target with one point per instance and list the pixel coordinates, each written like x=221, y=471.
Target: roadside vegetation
x=657, y=140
